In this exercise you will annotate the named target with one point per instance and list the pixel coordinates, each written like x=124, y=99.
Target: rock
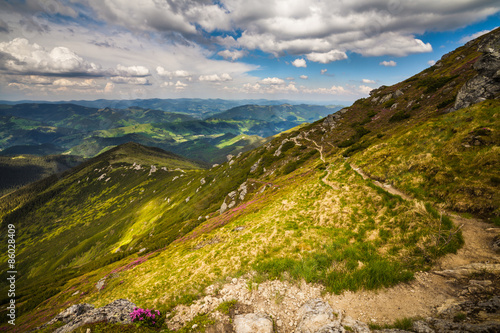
x=255, y=165
x=421, y=326
x=464, y=271
x=70, y=314
x=253, y=323
x=450, y=306
x=100, y=284
x=331, y=120
x=152, y=170
x=398, y=93
x=355, y=325
x=202, y=181
x=243, y=190
x=223, y=208
x=486, y=84
x=385, y=98
x=229, y=157
x=115, y=312
x=316, y=316
x=495, y=244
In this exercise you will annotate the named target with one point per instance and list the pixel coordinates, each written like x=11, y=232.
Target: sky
x=305, y=50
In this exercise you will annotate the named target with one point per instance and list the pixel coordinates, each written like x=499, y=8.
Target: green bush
x=398, y=116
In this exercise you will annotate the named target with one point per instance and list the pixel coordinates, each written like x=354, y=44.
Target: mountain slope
x=295, y=209
x=17, y=171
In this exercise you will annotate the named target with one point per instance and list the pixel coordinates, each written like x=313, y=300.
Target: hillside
x=85, y=131
x=366, y=199
x=20, y=170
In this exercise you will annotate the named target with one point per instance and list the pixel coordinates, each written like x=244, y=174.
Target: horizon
x=297, y=51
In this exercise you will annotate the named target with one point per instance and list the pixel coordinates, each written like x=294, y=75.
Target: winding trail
x=427, y=294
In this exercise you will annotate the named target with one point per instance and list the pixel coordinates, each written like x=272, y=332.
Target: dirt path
x=430, y=290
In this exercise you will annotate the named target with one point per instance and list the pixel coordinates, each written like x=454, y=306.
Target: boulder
x=486, y=84
x=70, y=313
x=316, y=316
x=115, y=312
x=253, y=323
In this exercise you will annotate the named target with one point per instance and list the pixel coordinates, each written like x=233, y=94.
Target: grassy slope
x=17, y=171
x=302, y=218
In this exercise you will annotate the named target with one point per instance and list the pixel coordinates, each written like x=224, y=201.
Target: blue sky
x=311, y=50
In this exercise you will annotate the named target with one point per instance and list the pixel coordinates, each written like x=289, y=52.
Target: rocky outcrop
x=486, y=84
x=317, y=316
x=253, y=323
x=70, y=314
x=81, y=314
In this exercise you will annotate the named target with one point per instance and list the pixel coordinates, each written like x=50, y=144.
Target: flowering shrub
x=146, y=317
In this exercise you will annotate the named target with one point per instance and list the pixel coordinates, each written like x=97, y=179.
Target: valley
x=382, y=215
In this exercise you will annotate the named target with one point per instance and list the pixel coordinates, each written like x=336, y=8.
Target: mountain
x=278, y=113
x=373, y=195
x=196, y=107
x=17, y=171
x=89, y=119
x=87, y=131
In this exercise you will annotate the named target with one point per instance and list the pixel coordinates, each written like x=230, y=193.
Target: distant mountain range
x=87, y=131
x=366, y=198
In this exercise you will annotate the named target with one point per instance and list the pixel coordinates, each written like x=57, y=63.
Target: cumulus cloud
x=304, y=77
x=468, y=38
x=390, y=63
x=134, y=71
x=333, y=90
x=74, y=83
x=299, y=63
x=365, y=90
x=431, y=62
x=233, y=55
x=273, y=80
x=173, y=74
x=327, y=57
x=368, y=81
x=216, y=78
x=180, y=85
x=323, y=71
x=130, y=80
x=22, y=57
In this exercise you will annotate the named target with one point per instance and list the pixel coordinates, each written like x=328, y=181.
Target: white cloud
x=109, y=88
x=368, y=81
x=215, y=78
x=365, y=89
x=468, y=38
x=23, y=57
x=304, y=77
x=74, y=83
x=273, y=80
x=233, y=55
x=431, y=62
x=333, y=90
x=327, y=57
x=144, y=15
x=323, y=71
x=390, y=63
x=299, y=63
x=179, y=74
x=130, y=80
x=180, y=86
x=132, y=70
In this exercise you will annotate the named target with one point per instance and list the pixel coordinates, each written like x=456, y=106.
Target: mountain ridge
x=293, y=211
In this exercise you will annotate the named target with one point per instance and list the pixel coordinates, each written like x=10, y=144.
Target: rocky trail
x=460, y=294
